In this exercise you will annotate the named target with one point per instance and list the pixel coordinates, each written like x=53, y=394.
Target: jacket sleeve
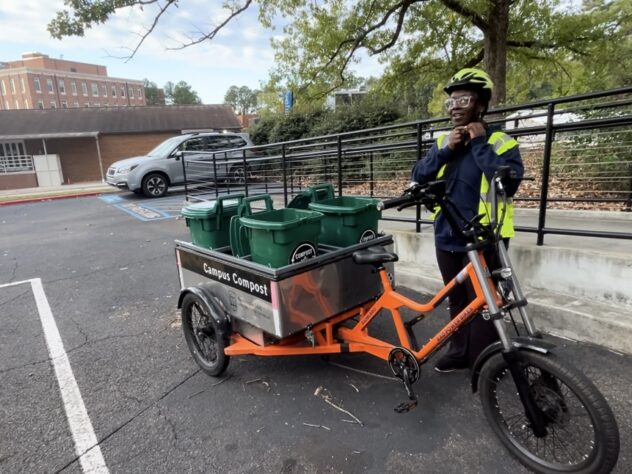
x=426, y=169
x=488, y=161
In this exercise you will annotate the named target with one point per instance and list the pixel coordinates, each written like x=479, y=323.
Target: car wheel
x=155, y=185
x=237, y=175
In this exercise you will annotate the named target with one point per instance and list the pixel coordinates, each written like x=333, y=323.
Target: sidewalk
x=16, y=196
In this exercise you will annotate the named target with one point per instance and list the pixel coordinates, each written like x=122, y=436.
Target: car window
x=194, y=144
x=165, y=147
x=237, y=142
x=213, y=143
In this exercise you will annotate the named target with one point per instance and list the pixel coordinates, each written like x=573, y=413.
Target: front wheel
x=155, y=185
x=581, y=432
x=204, y=337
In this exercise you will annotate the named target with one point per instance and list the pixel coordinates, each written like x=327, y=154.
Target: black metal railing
x=578, y=149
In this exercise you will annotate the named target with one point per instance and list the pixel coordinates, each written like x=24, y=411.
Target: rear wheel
x=155, y=185
x=581, y=432
x=204, y=337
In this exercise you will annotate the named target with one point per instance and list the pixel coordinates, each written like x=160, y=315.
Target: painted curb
x=27, y=200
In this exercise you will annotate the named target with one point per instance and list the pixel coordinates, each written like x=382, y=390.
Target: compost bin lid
x=206, y=209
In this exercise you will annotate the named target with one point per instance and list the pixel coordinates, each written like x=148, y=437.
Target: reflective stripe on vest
x=501, y=143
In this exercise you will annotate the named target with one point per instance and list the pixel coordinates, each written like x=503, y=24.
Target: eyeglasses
x=462, y=101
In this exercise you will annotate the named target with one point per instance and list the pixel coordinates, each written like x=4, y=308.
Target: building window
x=6, y=105
x=12, y=86
x=95, y=90
x=87, y=104
x=62, y=87
x=26, y=103
x=84, y=88
x=64, y=104
x=3, y=88
x=75, y=105
x=97, y=104
x=104, y=90
x=113, y=91
x=122, y=91
x=73, y=87
x=38, y=86
x=13, y=158
x=40, y=104
x=22, y=86
x=140, y=93
x=131, y=93
x=49, y=85
x=53, y=104
x=17, y=104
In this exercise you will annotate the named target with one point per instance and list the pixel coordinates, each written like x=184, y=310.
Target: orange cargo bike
x=546, y=412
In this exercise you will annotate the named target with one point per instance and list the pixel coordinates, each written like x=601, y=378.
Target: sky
x=240, y=55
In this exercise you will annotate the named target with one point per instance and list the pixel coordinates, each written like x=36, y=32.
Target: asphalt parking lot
x=102, y=269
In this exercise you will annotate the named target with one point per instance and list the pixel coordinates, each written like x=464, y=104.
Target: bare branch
x=217, y=29
x=152, y=27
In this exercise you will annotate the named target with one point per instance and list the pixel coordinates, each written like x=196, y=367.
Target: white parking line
x=86, y=445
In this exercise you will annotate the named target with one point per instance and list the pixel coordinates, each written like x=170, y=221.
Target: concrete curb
x=51, y=197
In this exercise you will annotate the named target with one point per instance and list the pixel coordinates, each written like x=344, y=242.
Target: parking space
x=112, y=285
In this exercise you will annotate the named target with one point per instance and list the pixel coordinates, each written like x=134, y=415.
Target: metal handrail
x=332, y=153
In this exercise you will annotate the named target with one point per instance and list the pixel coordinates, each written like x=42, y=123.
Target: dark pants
x=469, y=341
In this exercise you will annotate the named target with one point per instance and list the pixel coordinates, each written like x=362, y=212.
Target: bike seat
x=374, y=256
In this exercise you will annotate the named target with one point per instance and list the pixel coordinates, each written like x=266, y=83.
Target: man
x=467, y=158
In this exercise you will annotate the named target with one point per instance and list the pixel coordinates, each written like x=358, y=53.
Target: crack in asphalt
x=123, y=425
x=102, y=269
x=15, y=297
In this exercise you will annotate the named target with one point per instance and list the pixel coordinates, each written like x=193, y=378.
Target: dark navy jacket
x=463, y=172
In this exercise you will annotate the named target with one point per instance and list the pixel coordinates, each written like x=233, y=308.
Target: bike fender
x=518, y=343
x=214, y=309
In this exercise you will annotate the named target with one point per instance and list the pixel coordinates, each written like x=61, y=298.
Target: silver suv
x=153, y=173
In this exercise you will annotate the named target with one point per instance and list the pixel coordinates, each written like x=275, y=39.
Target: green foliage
x=181, y=94
x=549, y=48
x=153, y=95
x=242, y=99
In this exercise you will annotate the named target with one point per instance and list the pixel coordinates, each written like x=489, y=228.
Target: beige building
x=39, y=82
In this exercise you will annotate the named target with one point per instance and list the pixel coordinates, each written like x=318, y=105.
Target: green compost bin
x=209, y=222
x=283, y=236
x=347, y=220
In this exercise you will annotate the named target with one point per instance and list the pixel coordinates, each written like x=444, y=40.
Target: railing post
x=546, y=165
x=339, y=165
x=419, y=157
x=243, y=153
x=184, y=175
x=628, y=203
x=419, y=140
x=215, y=176
x=284, y=169
x=371, y=171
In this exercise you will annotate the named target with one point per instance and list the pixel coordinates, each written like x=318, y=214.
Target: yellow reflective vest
x=501, y=143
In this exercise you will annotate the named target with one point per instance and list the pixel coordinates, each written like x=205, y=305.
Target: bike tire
x=204, y=337
x=553, y=383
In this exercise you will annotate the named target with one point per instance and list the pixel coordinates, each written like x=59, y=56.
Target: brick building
x=85, y=142
x=39, y=82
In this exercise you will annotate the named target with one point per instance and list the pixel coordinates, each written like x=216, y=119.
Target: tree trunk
x=496, y=47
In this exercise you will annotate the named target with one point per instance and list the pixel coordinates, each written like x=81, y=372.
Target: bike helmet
x=471, y=79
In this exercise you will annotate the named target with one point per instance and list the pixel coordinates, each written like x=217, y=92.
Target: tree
x=153, y=94
x=242, y=99
x=432, y=39
x=181, y=94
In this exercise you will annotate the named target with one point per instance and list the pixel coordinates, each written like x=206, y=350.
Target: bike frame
x=330, y=337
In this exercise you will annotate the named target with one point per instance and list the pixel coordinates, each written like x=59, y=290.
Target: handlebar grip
x=395, y=202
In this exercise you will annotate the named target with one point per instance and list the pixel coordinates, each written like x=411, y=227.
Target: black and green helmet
x=474, y=79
